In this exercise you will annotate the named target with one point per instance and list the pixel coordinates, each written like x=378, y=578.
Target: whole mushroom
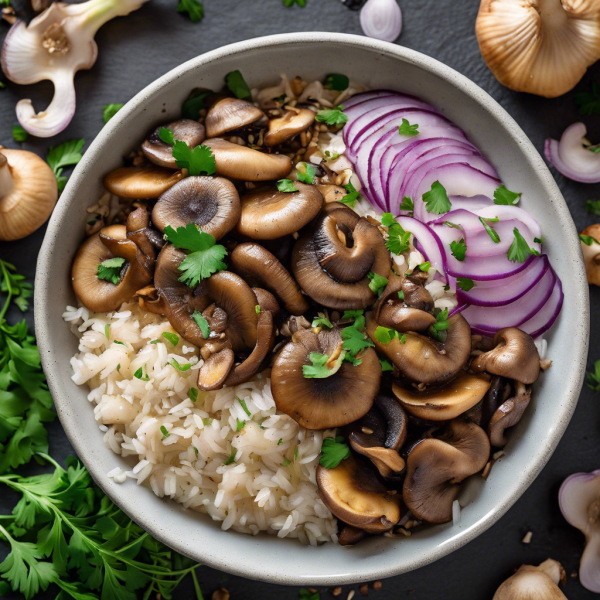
x=534, y=583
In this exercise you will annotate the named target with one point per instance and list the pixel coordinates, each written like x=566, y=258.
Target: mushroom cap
x=404, y=318
x=289, y=125
x=215, y=370
x=422, y=359
x=534, y=583
x=331, y=193
x=445, y=402
x=348, y=536
x=139, y=232
x=100, y=295
x=141, y=182
x=353, y=492
x=436, y=466
x=29, y=192
x=515, y=357
x=538, y=46
x=416, y=297
x=266, y=301
x=268, y=214
x=509, y=413
x=241, y=162
x=496, y=395
x=229, y=114
x=212, y=203
x=591, y=254
x=184, y=130
x=259, y=267
x=333, y=401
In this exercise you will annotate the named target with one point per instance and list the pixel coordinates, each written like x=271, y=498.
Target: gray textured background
x=134, y=51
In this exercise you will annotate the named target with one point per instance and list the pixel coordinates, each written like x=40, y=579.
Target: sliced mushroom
x=414, y=295
x=446, y=402
x=333, y=401
x=230, y=114
x=422, y=359
x=100, y=295
x=403, y=318
x=212, y=203
x=288, y=126
x=534, y=583
x=139, y=232
x=241, y=162
x=268, y=214
x=497, y=394
x=141, y=182
x=354, y=494
x=331, y=193
x=508, y=414
x=436, y=467
x=215, y=370
x=591, y=254
x=349, y=535
x=184, y=130
x=259, y=267
x=515, y=357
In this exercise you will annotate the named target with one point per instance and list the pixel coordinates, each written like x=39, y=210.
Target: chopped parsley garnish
x=519, y=250
x=333, y=452
x=321, y=321
x=193, y=394
x=193, y=8
x=506, y=197
x=384, y=335
x=155, y=341
x=286, y=185
x=139, y=374
x=194, y=103
x=401, y=295
x=19, y=134
x=376, y=283
x=407, y=129
x=337, y=82
x=330, y=157
x=354, y=339
x=398, y=240
x=166, y=135
x=386, y=365
x=459, y=249
x=237, y=85
x=453, y=225
x=592, y=379
x=118, y=367
x=289, y=3
x=309, y=176
x=232, y=457
x=588, y=103
x=107, y=331
x=352, y=360
x=407, y=204
x=120, y=343
x=165, y=432
x=195, y=451
x=206, y=422
x=179, y=367
x=109, y=111
x=64, y=155
x=306, y=594
x=198, y=161
x=257, y=309
x=240, y=425
x=441, y=324
x=352, y=314
x=286, y=462
x=593, y=206
x=351, y=197
x=318, y=368
x=202, y=323
x=171, y=337
x=110, y=270
x=280, y=441
x=537, y=240
x=436, y=200
x=204, y=254
x=588, y=240
x=425, y=266
x=244, y=406
x=465, y=284
x=490, y=230
x=332, y=116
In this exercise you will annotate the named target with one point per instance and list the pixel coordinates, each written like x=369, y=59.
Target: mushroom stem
x=6, y=179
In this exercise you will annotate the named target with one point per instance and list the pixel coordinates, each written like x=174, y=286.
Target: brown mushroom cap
x=215, y=370
x=139, y=232
x=141, y=182
x=515, y=357
x=436, y=467
x=100, y=295
x=268, y=214
x=259, y=267
x=446, y=402
x=289, y=125
x=509, y=413
x=355, y=495
x=229, y=114
x=404, y=318
x=497, y=394
x=240, y=162
x=349, y=535
x=334, y=401
x=212, y=203
x=331, y=193
x=266, y=301
x=414, y=293
x=184, y=130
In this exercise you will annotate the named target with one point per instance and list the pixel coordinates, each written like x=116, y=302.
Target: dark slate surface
x=136, y=50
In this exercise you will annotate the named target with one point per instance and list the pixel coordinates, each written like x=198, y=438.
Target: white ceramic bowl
x=376, y=64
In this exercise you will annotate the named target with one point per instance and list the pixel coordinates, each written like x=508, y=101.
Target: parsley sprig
x=436, y=199
x=237, y=85
x=64, y=155
x=588, y=103
x=398, y=239
x=519, y=250
x=110, y=270
x=351, y=197
x=505, y=196
x=109, y=111
x=407, y=129
x=193, y=8
x=459, y=249
x=332, y=116
x=337, y=82
x=333, y=452
x=318, y=368
x=355, y=340
x=592, y=378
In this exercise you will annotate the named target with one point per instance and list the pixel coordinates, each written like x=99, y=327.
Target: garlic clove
x=534, y=583
x=381, y=19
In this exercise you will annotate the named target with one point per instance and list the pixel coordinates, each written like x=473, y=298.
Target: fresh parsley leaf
x=193, y=394
x=110, y=270
x=306, y=594
x=321, y=321
x=537, y=240
x=436, y=200
x=194, y=103
x=440, y=325
x=352, y=314
x=240, y=425
x=465, y=284
x=139, y=374
x=286, y=462
x=109, y=111
x=352, y=360
x=107, y=331
x=519, y=250
x=398, y=240
x=333, y=452
x=386, y=365
x=166, y=135
x=331, y=157
x=309, y=176
x=592, y=378
x=198, y=161
x=351, y=197
x=193, y=8
x=336, y=81
x=120, y=343
x=244, y=406
x=332, y=116
x=206, y=422
x=401, y=294
x=237, y=85
x=354, y=338
x=286, y=186
x=376, y=283
x=290, y=3
x=384, y=335
x=19, y=134
x=407, y=129
x=257, y=309
x=459, y=249
x=593, y=206
x=64, y=155
x=171, y=337
x=425, y=266
x=202, y=323
x=318, y=368
x=407, y=204
x=506, y=197
x=588, y=103
x=490, y=230
x=182, y=368
x=165, y=432
x=231, y=459
x=588, y=240
x=2, y=84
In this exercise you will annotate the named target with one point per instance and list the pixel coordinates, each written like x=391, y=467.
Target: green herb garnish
x=407, y=129
x=19, y=134
x=198, y=161
x=593, y=206
x=166, y=135
x=506, y=197
x=354, y=339
x=333, y=452
x=232, y=457
x=336, y=81
x=171, y=337
x=193, y=394
x=240, y=425
x=588, y=240
x=588, y=103
x=202, y=323
x=193, y=8
x=459, y=249
x=139, y=374
x=407, y=204
x=286, y=186
x=107, y=331
x=321, y=321
x=257, y=309
x=109, y=111
x=398, y=240
x=110, y=270
x=490, y=230
x=386, y=365
x=64, y=155
x=592, y=378
x=436, y=200
x=425, y=266
x=351, y=197
x=332, y=116
x=194, y=103
x=165, y=432
x=244, y=406
x=465, y=284
x=376, y=283
x=519, y=250
x=179, y=367
x=318, y=368
x=309, y=176
x=237, y=85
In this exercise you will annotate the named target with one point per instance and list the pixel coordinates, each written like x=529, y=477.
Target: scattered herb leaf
x=286, y=186
x=193, y=394
x=237, y=85
x=332, y=116
x=506, y=197
x=407, y=129
x=19, y=134
x=64, y=155
x=171, y=337
x=202, y=323
x=333, y=452
x=109, y=111
x=179, y=367
x=193, y=8
x=519, y=250
x=376, y=283
x=337, y=82
x=351, y=197
x=490, y=230
x=436, y=200
x=110, y=270
x=465, y=284
x=198, y=161
x=309, y=176
x=244, y=406
x=459, y=249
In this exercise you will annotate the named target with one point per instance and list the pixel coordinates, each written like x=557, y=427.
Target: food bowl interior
x=377, y=65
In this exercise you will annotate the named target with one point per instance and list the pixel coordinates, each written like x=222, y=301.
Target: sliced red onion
x=428, y=243
x=364, y=96
x=381, y=19
x=545, y=318
x=473, y=205
x=570, y=156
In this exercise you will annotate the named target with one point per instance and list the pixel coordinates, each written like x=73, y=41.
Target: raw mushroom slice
x=259, y=267
x=508, y=414
x=436, y=466
x=184, y=130
x=333, y=401
x=534, y=583
x=141, y=182
x=212, y=203
x=230, y=114
x=353, y=492
x=288, y=126
x=100, y=295
x=268, y=214
x=215, y=370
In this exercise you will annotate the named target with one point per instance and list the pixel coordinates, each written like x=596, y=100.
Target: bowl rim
x=571, y=249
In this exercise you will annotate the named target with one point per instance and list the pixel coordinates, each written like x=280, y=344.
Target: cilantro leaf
x=506, y=197
x=490, y=230
x=354, y=339
x=193, y=8
x=592, y=378
x=286, y=186
x=289, y=3
x=333, y=452
x=398, y=240
x=109, y=111
x=588, y=240
x=309, y=176
x=588, y=103
x=386, y=365
x=436, y=200
x=459, y=249
x=332, y=116
x=197, y=161
x=110, y=270
x=351, y=197
x=337, y=82
x=180, y=367
x=384, y=335
x=139, y=374
x=465, y=284
x=165, y=432
x=244, y=406
x=321, y=321
x=240, y=425
x=194, y=103
x=64, y=155
x=237, y=85
x=519, y=250
x=352, y=314
x=166, y=135
x=593, y=206
x=19, y=134
x=407, y=129
x=202, y=323
x=257, y=309
x=376, y=283
x=318, y=368
x=171, y=337
x=193, y=394
x=407, y=204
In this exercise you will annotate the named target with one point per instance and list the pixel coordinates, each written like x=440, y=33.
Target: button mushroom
x=100, y=295
x=591, y=253
x=292, y=123
x=141, y=182
x=436, y=466
x=259, y=267
x=241, y=162
x=268, y=214
x=321, y=403
x=212, y=203
x=28, y=193
x=515, y=357
x=509, y=413
x=534, y=583
x=215, y=370
x=541, y=47
x=161, y=154
x=230, y=114
x=354, y=494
